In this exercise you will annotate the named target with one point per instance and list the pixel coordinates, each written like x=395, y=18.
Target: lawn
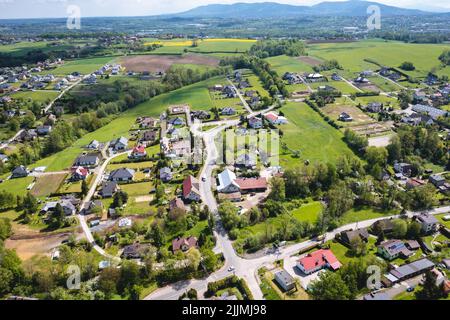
x=16, y=186
x=342, y=253
x=362, y=214
x=308, y=212
x=38, y=96
x=307, y=132
x=441, y=220
x=386, y=101
x=390, y=53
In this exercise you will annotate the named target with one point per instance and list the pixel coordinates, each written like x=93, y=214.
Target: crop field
x=161, y=63
x=308, y=133
x=48, y=184
x=206, y=46
x=390, y=53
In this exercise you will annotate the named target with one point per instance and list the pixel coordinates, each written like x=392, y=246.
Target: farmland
x=305, y=132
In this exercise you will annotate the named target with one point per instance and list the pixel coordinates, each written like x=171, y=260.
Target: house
x=122, y=175
x=184, y=244
x=410, y=270
x=150, y=136
x=177, y=203
x=246, y=161
x=326, y=88
x=27, y=135
x=412, y=245
x=228, y=111
x=79, y=173
x=254, y=101
x=134, y=251
x=315, y=77
x=318, y=260
x=125, y=223
x=248, y=185
x=165, y=174
x=201, y=115
x=275, y=119
x=94, y=145
x=67, y=206
x=336, y=77
x=392, y=249
x=382, y=226
x=191, y=189
x=178, y=109
x=429, y=222
x=119, y=144
x=405, y=169
x=43, y=130
x=89, y=160
x=362, y=80
x=229, y=92
x=414, y=183
x=437, y=180
x=227, y=182
x=348, y=237
x=177, y=121
x=3, y=158
x=108, y=189
x=345, y=117
x=255, y=122
x=19, y=172
x=374, y=107
x=285, y=280
x=138, y=152
x=148, y=122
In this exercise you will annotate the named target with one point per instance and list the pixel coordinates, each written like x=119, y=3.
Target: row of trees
x=270, y=48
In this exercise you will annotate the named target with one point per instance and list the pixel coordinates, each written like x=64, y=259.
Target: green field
x=196, y=95
x=362, y=214
x=83, y=66
x=308, y=133
x=16, y=186
x=308, y=213
x=38, y=96
x=390, y=53
x=283, y=64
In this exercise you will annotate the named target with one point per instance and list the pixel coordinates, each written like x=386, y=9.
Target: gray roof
x=284, y=276
x=431, y=111
x=412, y=268
x=428, y=219
x=89, y=158
x=108, y=188
x=122, y=173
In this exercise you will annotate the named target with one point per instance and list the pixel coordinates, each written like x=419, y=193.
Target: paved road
x=87, y=199
x=351, y=84
x=390, y=80
x=48, y=107
x=244, y=103
x=6, y=144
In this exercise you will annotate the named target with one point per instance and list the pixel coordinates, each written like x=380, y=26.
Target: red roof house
x=318, y=260
x=191, y=189
x=138, y=152
x=79, y=173
x=184, y=244
x=252, y=184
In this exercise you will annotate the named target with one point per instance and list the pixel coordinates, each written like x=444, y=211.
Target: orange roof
x=252, y=183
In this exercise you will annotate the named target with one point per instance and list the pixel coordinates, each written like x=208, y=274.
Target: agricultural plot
x=388, y=53
x=306, y=131
x=347, y=105
x=161, y=63
x=48, y=184
x=16, y=186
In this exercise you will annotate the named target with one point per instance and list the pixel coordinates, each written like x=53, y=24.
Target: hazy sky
x=57, y=8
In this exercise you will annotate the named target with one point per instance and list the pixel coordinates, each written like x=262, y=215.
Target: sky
x=12, y=9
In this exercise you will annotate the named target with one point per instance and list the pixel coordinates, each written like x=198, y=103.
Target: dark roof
x=122, y=173
x=285, y=277
x=108, y=188
x=89, y=158
x=412, y=268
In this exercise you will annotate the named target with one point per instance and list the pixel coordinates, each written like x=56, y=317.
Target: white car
x=231, y=269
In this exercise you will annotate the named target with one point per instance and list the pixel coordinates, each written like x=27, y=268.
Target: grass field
x=283, y=64
x=307, y=132
x=38, y=96
x=196, y=95
x=308, y=213
x=83, y=66
x=386, y=101
x=16, y=186
x=390, y=53
x=361, y=214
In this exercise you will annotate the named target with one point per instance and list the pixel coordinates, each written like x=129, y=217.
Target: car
x=231, y=269
x=410, y=289
x=204, y=179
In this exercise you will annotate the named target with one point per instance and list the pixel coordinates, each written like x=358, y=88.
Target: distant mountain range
x=272, y=9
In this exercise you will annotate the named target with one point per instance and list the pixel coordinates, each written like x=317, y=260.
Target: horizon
x=57, y=9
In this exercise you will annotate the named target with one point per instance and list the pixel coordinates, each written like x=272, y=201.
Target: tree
x=340, y=199
x=129, y=275
x=407, y=66
x=157, y=235
x=58, y=216
x=108, y=280
x=194, y=258
x=414, y=230
x=5, y=228
x=358, y=247
x=400, y=228
x=30, y=204
x=278, y=189
x=430, y=290
x=84, y=188
x=329, y=286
